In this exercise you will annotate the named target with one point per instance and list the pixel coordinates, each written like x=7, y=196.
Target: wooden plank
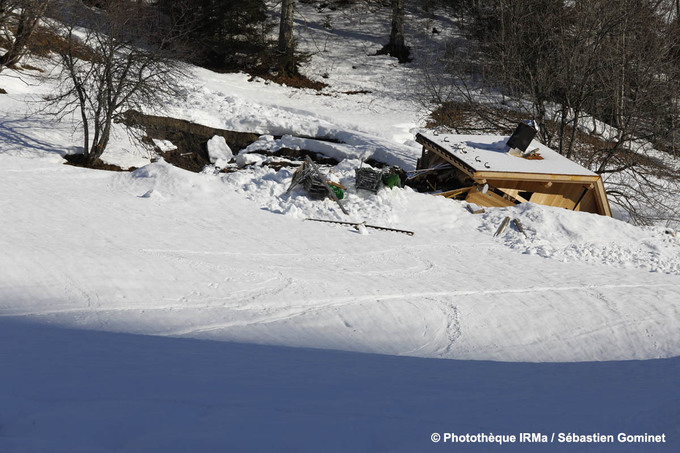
x=514, y=193
x=567, y=199
x=534, y=177
x=502, y=226
x=488, y=199
x=601, y=198
x=527, y=186
x=519, y=226
x=474, y=209
x=454, y=193
x=550, y=199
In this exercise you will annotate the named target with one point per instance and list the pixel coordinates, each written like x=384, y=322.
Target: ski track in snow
x=323, y=304
x=255, y=308
x=303, y=308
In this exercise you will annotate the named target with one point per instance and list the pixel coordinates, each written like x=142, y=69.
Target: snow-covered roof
x=487, y=153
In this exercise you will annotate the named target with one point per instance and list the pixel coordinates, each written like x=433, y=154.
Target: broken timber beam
x=454, y=193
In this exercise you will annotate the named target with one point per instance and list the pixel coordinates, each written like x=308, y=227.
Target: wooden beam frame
x=591, y=182
x=535, y=177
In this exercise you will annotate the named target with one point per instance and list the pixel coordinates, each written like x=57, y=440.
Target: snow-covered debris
x=265, y=143
x=164, y=145
x=219, y=152
x=588, y=238
x=245, y=159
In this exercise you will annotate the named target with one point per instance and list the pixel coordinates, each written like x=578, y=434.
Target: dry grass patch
x=45, y=41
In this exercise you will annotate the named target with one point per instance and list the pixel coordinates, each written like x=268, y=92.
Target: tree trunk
x=397, y=47
x=287, y=38
x=100, y=145
x=574, y=131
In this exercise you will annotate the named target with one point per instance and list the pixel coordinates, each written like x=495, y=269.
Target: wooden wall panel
x=588, y=203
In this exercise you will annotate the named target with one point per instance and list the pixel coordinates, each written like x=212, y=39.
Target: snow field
x=176, y=253
x=162, y=310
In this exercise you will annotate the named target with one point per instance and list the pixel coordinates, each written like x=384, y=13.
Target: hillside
x=164, y=310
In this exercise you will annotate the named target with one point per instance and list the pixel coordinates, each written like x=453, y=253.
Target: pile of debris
x=372, y=179
x=497, y=171
x=317, y=185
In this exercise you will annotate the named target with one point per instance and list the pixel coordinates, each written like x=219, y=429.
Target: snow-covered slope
x=229, y=257
x=164, y=251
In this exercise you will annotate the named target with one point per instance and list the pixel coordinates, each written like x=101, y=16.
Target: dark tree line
x=221, y=34
x=235, y=34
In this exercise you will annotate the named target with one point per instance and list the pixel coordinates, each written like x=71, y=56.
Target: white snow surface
x=315, y=336
x=164, y=145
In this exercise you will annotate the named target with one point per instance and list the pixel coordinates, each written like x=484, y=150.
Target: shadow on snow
x=74, y=390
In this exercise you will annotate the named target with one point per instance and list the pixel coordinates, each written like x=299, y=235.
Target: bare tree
x=30, y=13
x=115, y=63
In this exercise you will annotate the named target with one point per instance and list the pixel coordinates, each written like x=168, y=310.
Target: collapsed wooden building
x=496, y=171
